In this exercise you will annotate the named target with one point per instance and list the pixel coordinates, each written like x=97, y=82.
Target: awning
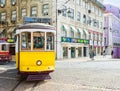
x=86, y=32
x=10, y=30
x=80, y=30
x=65, y=26
x=73, y=28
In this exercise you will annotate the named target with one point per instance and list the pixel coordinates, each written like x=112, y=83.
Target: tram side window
x=26, y=41
x=50, y=41
x=38, y=40
x=4, y=48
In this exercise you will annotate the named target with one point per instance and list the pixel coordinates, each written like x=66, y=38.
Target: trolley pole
x=56, y=28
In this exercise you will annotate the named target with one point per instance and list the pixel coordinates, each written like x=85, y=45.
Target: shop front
x=74, y=47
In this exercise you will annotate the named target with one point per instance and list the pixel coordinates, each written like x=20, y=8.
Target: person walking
x=112, y=54
x=104, y=54
x=91, y=53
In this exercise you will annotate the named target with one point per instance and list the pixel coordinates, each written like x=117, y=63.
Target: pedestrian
x=91, y=53
x=104, y=54
x=112, y=54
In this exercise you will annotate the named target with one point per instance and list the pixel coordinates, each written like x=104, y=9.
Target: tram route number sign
x=36, y=20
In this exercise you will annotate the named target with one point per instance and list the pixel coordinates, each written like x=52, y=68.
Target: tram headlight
x=38, y=62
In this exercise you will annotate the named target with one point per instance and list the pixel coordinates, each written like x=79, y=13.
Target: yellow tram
x=35, y=50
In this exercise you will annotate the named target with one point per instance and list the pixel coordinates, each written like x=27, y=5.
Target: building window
x=71, y=14
x=34, y=11
x=64, y=33
x=78, y=2
x=71, y=33
x=2, y=3
x=65, y=52
x=13, y=2
x=89, y=35
x=84, y=18
x=83, y=3
x=78, y=16
x=79, y=35
x=64, y=11
x=45, y=10
x=3, y=16
x=84, y=35
x=89, y=20
x=100, y=25
x=13, y=15
x=23, y=12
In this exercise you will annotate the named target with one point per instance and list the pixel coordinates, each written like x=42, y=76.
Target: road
x=102, y=75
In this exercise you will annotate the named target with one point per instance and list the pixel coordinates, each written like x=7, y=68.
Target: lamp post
x=58, y=12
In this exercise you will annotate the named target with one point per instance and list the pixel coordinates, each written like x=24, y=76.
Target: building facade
x=113, y=9
x=112, y=32
x=79, y=23
x=80, y=29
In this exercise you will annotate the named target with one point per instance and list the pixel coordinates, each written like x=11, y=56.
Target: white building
x=80, y=29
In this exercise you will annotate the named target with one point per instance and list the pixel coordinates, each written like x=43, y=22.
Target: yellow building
x=79, y=23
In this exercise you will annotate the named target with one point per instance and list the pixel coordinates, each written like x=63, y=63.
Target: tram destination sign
x=36, y=20
x=74, y=40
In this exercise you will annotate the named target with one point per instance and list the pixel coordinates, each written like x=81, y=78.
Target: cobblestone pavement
x=101, y=74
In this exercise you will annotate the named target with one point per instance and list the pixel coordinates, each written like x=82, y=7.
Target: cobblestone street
x=101, y=74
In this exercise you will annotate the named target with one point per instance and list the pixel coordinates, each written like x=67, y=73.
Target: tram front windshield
x=37, y=41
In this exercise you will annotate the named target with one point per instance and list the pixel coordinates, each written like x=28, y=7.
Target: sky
x=113, y=2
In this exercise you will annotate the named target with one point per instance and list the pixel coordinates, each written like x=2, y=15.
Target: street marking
x=3, y=69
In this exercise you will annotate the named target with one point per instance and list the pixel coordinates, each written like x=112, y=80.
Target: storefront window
x=26, y=41
x=65, y=52
x=80, y=52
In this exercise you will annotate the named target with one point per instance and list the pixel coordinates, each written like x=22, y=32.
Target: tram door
x=17, y=50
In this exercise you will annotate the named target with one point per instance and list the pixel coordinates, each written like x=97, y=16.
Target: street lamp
x=58, y=12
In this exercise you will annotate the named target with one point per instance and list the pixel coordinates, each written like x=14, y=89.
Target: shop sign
x=74, y=40
x=80, y=41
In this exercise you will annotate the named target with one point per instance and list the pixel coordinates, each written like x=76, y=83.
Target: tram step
x=38, y=77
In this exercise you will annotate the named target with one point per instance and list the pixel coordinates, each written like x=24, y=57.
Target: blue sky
x=112, y=2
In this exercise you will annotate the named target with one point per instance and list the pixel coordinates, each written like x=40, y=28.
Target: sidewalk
x=96, y=58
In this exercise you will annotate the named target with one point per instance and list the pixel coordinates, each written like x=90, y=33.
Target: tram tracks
x=19, y=82
x=25, y=85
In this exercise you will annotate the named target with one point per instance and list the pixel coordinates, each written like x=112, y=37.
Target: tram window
x=50, y=41
x=26, y=41
x=4, y=48
x=38, y=40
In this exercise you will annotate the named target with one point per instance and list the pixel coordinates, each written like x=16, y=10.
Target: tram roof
x=35, y=26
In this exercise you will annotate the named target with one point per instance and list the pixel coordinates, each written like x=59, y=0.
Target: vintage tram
x=35, y=50
x=5, y=55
